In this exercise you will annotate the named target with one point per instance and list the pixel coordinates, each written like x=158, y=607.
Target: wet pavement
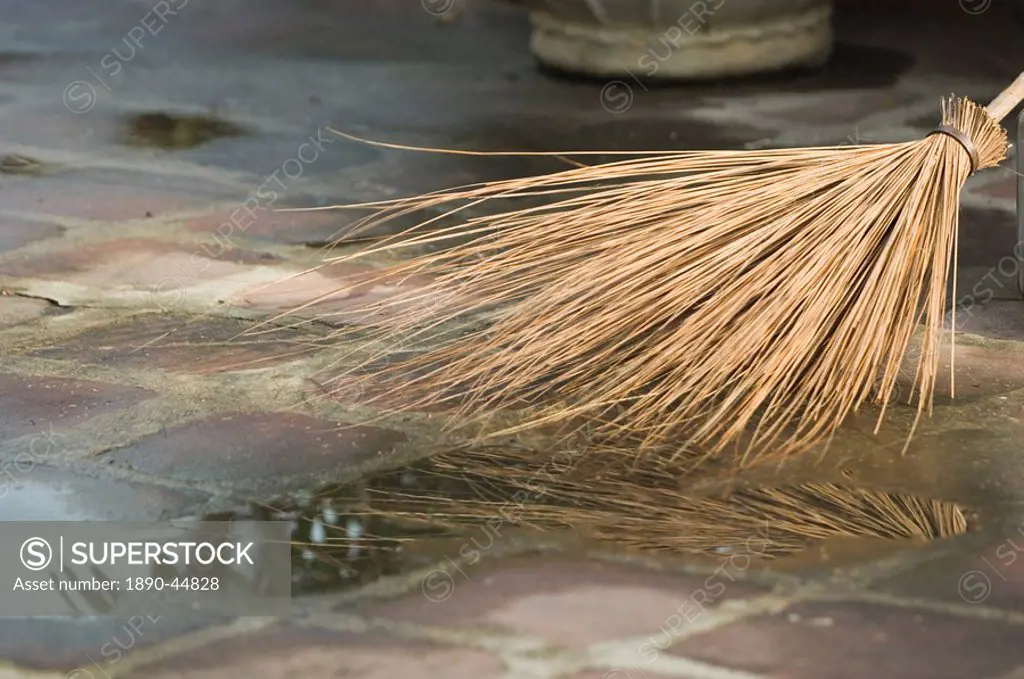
x=138, y=182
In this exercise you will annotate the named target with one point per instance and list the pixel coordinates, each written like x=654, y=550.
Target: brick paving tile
x=565, y=601
x=856, y=640
x=291, y=652
x=108, y=196
x=15, y=310
x=272, y=224
x=92, y=645
x=137, y=262
x=39, y=405
x=30, y=492
x=343, y=294
x=321, y=292
x=261, y=446
x=205, y=345
x=989, y=573
x=16, y=233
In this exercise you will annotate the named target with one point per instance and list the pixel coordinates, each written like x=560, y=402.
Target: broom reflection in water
x=460, y=503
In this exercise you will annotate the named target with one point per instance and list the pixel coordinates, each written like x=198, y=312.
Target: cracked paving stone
x=852, y=640
x=564, y=601
x=31, y=405
x=290, y=651
x=260, y=447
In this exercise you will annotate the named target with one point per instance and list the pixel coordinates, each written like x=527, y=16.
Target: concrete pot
x=679, y=39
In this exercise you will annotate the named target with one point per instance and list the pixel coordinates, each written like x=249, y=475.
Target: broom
x=713, y=298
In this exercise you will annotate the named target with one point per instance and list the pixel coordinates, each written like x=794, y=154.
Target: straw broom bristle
x=709, y=297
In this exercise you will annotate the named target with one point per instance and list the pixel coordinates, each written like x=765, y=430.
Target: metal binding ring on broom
x=741, y=300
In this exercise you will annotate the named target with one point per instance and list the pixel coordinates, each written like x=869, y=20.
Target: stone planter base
x=688, y=50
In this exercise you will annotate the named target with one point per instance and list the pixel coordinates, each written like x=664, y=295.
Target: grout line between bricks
x=976, y=611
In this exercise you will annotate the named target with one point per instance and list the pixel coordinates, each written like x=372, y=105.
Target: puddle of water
x=339, y=539
x=30, y=501
x=177, y=131
x=33, y=492
x=409, y=518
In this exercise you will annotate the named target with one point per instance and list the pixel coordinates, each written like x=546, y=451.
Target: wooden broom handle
x=1007, y=99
